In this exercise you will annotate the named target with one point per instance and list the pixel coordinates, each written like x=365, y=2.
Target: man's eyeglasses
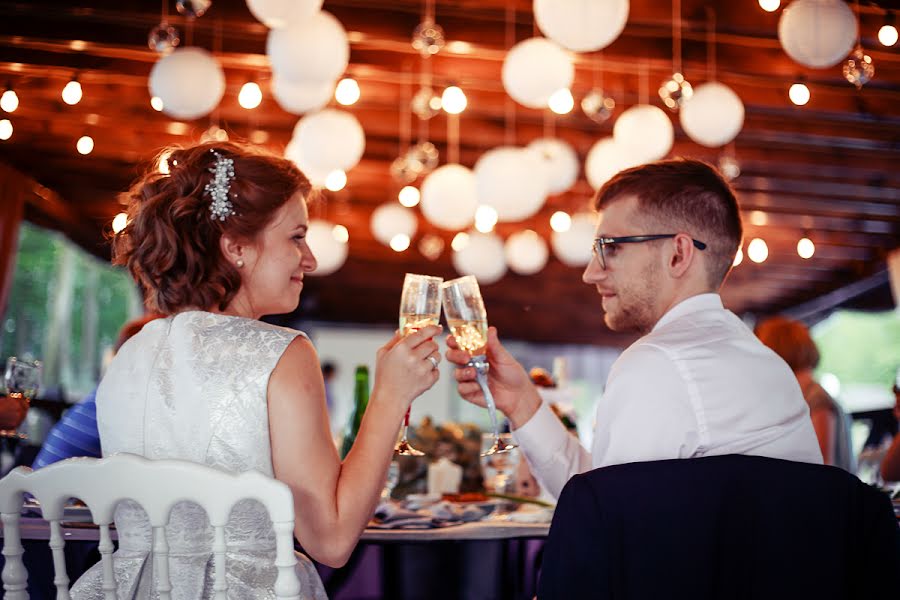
x=608, y=247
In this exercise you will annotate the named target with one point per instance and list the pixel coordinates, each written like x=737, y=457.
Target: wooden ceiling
x=828, y=169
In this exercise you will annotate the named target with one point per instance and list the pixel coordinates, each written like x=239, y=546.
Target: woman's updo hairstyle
x=171, y=241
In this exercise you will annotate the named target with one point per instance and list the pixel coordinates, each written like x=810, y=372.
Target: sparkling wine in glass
x=420, y=306
x=22, y=379
x=467, y=318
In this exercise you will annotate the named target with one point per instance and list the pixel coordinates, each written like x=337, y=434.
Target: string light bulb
x=560, y=221
x=757, y=250
x=6, y=129
x=72, y=93
x=119, y=222
x=157, y=103
x=250, y=95
x=85, y=145
x=400, y=242
x=340, y=233
x=799, y=94
x=9, y=101
x=738, y=257
x=561, y=102
x=485, y=218
x=454, y=100
x=806, y=248
x=769, y=5
x=346, y=92
x=887, y=35
x=409, y=196
x=336, y=180
x=460, y=241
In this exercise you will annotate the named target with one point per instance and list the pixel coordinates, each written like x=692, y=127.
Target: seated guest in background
x=890, y=465
x=217, y=243
x=698, y=383
x=76, y=433
x=791, y=341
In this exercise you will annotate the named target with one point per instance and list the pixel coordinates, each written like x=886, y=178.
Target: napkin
x=391, y=515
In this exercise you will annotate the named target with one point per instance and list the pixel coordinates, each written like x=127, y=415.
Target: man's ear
x=682, y=255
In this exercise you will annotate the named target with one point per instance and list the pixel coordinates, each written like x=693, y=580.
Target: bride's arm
x=333, y=501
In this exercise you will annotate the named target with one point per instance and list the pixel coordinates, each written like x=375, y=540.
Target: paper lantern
x=581, y=25
x=311, y=50
x=330, y=139
x=817, y=33
x=606, y=158
x=560, y=161
x=713, y=116
x=526, y=252
x=300, y=98
x=450, y=197
x=391, y=219
x=317, y=176
x=482, y=257
x=189, y=81
x=281, y=13
x=573, y=247
x=511, y=180
x=645, y=131
x=534, y=69
x=330, y=252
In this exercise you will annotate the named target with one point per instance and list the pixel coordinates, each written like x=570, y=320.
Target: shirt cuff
x=542, y=437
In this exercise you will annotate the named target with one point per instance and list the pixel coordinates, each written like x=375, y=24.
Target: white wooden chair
x=157, y=485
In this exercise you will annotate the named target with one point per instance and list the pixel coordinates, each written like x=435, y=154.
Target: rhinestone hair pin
x=220, y=186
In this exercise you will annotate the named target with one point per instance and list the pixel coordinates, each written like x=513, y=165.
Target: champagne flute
x=420, y=306
x=467, y=319
x=22, y=379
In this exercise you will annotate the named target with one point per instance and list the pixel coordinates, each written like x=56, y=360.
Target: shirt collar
x=698, y=303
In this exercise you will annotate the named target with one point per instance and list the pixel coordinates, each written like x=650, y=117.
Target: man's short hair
x=684, y=196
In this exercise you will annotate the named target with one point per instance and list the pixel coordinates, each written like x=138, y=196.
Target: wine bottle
x=360, y=402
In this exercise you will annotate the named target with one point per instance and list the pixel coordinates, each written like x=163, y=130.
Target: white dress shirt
x=699, y=384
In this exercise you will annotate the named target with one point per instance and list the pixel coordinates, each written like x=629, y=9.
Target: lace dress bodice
x=193, y=387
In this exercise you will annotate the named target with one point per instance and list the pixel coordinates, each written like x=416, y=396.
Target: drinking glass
x=467, y=318
x=499, y=469
x=420, y=306
x=22, y=379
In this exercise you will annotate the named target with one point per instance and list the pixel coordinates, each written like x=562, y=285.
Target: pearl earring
x=239, y=263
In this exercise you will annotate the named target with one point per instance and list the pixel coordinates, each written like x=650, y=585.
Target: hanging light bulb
x=409, y=196
x=738, y=258
x=453, y=100
x=340, y=233
x=858, y=68
x=85, y=145
x=730, y=167
x=428, y=38
x=9, y=101
x=769, y=5
x=157, y=103
x=560, y=221
x=485, y=218
x=336, y=180
x=6, y=129
x=757, y=250
x=460, y=241
x=347, y=91
x=799, y=94
x=887, y=35
x=250, y=95
x=400, y=242
x=561, y=102
x=119, y=222
x=71, y=93
x=806, y=248
x=675, y=91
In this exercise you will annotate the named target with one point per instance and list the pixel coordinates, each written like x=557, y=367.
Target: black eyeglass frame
x=600, y=242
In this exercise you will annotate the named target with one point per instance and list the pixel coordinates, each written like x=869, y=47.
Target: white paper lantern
x=330, y=139
x=311, y=50
x=482, y=257
x=713, y=116
x=526, y=252
x=581, y=25
x=330, y=252
x=511, y=180
x=606, y=158
x=450, y=197
x=189, y=81
x=573, y=247
x=391, y=219
x=316, y=175
x=560, y=160
x=817, y=33
x=280, y=13
x=301, y=98
x=645, y=131
x=534, y=69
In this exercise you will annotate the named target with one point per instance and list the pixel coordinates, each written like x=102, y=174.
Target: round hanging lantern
x=316, y=176
x=391, y=219
x=450, y=197
x=817, y=33
x=560, y=160
x=606, y=158
x=330, y=139
x=281, y=13
x=189, y=81
x=482, y=257
x=713, y=116
x=313, y=49
x=534, y=69
x=645, y=131
x=573, y=247
x=511, y=180
x=526, y=252
x=327, y=247
x=300, y=98
x=581, y=25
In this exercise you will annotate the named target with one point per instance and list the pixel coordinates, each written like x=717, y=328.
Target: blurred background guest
x=792, y=342
x=890, y=465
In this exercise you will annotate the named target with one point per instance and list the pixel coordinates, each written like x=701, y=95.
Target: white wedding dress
x=193, y=387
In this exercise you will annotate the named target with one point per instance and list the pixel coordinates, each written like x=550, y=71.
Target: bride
x=215, y=244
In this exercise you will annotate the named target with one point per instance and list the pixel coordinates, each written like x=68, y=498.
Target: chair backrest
x=157, y=485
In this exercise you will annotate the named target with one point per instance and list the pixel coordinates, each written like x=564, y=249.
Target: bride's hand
x=407, y=366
